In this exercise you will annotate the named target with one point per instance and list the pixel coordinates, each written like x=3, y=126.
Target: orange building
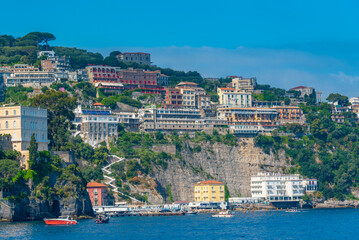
x=97, y=193
x=289, y=114
x=173, y=98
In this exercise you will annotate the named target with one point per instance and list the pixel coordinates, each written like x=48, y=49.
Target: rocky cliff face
x=233, y=165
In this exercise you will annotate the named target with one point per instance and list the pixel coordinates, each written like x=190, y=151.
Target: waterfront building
x=244, y=84
x=173, y=98
x=97, y=193
x=289, y=114
x=169, y=120
x=21, y=123
x=135, y=57
x=281, y=187
x=232, y=98
x=96, y=124
x=209, y=191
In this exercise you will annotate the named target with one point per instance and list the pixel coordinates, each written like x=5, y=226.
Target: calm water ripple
x=308, y=224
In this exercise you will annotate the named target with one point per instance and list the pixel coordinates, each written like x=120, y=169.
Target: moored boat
x=102, y=219
x=292, y=210
x=60, y=221
x=224, y=214
x=191, y=213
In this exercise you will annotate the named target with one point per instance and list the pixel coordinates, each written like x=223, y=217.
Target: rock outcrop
x=233, y=165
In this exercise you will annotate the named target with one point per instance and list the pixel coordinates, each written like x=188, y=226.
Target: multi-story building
x=354, y=100
x=244, y=84
x=97, y=193
x=279, y=187
x=162, y=80
x=102, y=74
x=203, y=102
x=231, y=98
x=21, y=123
x=193, y=86
x=138, y=77
x=130, y=120
x=135, y=57
x=209, y=191
x=307, y=91
x=56, y=64
x=289, y=114
x=189, y=97
x=46, y=54
x=23, y=74
x=173, y=98
x=95, y=125
x=249, y=120
x=180, y=120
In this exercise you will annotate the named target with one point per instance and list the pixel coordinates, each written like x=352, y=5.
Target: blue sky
x=283, y=43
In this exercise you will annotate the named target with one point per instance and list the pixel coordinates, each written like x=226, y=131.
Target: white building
x=354, y=100
x=280, y=187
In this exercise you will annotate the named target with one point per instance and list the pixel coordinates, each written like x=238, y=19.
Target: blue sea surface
x=307, y=224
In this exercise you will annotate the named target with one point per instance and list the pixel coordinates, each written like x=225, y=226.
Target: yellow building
x=209, y=191
x=21, y=122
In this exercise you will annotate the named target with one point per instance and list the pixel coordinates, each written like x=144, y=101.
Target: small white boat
x=225, y=214
x=292, y=210
x=191, y=213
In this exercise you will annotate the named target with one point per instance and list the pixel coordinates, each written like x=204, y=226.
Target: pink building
x=97, y=193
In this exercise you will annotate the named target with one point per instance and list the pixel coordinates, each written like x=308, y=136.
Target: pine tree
x=33, y=150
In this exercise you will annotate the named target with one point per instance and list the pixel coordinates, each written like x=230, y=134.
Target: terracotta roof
x=299, y=87
x=210, y=182
x=227, y=88
x=98, y=104
x=95, y=184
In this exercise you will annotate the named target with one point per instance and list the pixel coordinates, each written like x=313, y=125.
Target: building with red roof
x=98, y=193
x=209, y=191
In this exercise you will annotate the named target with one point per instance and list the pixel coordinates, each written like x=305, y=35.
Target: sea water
x=307, y=224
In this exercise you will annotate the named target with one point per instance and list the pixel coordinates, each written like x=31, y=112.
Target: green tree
x=336, y=97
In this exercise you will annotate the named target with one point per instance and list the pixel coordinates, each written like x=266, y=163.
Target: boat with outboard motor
x=102, y=219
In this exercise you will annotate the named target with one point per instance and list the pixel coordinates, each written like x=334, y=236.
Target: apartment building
x=232, y=98
x=354, y=100
x=244, y=84
x=135, y=57
x=189, y=97
x=281, y=187
x=209, y=191
x=162, y=80
x=28, y=76
x=180, y=120
x=173, y=98
x=97, y=193
x=95, y=125
x=289, y=114
x=203, y=102
x=102, y=74
x=56, y=64
x=130, y=120
x=21, y=123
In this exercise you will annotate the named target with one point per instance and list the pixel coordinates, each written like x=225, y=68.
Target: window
x=14, y=124
x=14, y=112
x=6, y=124
x=6, y=113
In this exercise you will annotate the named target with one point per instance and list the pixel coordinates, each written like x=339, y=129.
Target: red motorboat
x=60, y=221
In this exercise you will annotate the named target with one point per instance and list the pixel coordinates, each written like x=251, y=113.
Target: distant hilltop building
x=135, y=57
x=354, y=100
x=307, y=91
